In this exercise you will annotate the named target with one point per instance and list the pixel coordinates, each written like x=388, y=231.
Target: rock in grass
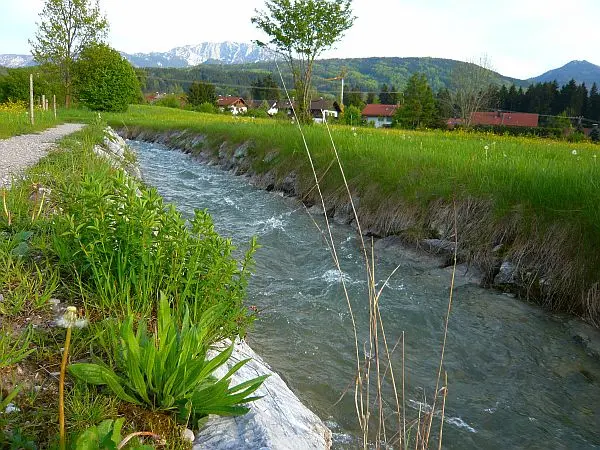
x=188, y=435
x=507, y=274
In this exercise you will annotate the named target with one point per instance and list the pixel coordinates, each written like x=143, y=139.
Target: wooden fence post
x=54, y=105
x=31, y=99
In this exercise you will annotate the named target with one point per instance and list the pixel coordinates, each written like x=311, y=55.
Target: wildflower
x=355, y=134
x=69, y=319
x=486, y=148
x=574, y=152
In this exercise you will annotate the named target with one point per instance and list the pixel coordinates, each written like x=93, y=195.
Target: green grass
x=13, y=123
x=537, y=197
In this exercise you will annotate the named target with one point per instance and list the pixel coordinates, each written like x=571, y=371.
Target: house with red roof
x=379, y=115
x=236, y=105
x=509, y=119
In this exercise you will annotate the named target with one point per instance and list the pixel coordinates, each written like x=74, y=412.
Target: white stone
x=11, y=408
x=188, y=435
x=278, y=421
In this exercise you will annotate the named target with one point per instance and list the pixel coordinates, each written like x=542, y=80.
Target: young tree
x=200, y=93
x=352, y=116
x=66, y=28
x=418, y=110
x=471, y=83
x=300, y=30
x=371, y=97
x=104, y=80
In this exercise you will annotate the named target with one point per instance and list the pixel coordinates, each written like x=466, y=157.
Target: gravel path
x=19, y=152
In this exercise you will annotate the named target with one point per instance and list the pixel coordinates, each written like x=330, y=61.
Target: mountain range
x=378, y=70
x=186, y=56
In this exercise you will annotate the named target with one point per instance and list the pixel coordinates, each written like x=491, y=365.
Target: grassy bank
x=14, y=119
x=533, y=202
x=151, y=292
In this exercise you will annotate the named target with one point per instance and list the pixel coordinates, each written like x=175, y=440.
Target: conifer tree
x=418, y=109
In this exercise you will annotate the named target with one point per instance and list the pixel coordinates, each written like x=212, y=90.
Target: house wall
x=380, y=122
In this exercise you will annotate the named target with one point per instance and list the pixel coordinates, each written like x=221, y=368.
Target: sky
x=521, y=38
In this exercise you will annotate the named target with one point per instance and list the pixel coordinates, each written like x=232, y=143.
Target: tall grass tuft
x=126, y=246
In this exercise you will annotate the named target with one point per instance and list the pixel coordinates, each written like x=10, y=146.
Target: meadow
x=14, y=119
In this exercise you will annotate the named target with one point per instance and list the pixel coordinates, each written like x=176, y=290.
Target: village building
x=321, y=110
x=499, y=118
x=236, y=105
x=508, y=119
x=381, y=116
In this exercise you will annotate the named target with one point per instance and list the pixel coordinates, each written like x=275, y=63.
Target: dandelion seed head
x=486, y=148
x=70, y=320
x=574, y=152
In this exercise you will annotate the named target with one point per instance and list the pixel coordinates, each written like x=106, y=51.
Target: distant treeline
x=571, y=100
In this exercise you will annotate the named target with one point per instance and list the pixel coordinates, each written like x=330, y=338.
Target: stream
x=517, y=378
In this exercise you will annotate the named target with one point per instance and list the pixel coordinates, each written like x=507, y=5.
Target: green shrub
x=169, y=101
x=104, y=80
x=168, y=370
x=206, y=108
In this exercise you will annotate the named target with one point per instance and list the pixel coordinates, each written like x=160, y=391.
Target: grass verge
x=78, y=231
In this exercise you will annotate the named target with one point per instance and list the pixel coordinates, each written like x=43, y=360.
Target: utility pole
x=341, y=76
x=31, y=99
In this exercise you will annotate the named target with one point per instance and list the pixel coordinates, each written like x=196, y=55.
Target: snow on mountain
x=186, y=56
x=192, y=55
x=13, y=61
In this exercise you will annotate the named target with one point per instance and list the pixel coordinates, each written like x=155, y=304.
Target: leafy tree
x=265, y=88
x=15, y=84
x=300, y=30
x=352, y=116
x=200, y=93
x=418, y=110
x=371, y=97
x=104, y=80
x=66, y=28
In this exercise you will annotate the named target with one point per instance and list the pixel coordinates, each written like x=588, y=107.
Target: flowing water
x=517, y=377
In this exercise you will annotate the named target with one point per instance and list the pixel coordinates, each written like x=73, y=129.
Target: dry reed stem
x=332, y=248
x=451, y=295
